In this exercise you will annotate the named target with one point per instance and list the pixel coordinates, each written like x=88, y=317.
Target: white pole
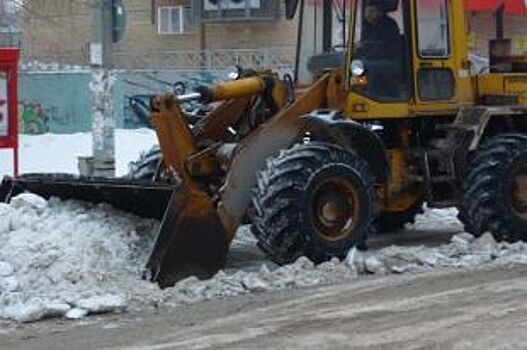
x=101, y=86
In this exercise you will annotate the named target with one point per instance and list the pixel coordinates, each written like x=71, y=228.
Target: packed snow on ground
x=433, y=219
x=53, y=153
x=71, y=259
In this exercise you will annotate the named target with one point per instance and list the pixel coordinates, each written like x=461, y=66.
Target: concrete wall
x=56, y=30
x=54, y=102
x=60, y=102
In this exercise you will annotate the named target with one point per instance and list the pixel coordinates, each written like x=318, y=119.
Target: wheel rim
x=335, y=208
x=518, y=191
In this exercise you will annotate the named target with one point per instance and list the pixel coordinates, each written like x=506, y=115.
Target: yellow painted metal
x=399, y=171
x=279, y=93
x=490, y=84
x=332, y=90
x=174, y=135
x=238, y=89
x=517, y=85
x=401, y=193
x=457, y=60
x=503, y=84
x=336, y=91
x=222, y=116
x=191, y=239
x=361, y=107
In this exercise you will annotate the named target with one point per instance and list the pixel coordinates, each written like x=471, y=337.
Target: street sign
x=118, y=20
x=9, y=102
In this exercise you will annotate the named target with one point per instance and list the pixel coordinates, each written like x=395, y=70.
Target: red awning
x=511, y=6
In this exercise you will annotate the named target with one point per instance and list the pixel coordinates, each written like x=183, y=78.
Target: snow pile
x=463, y=251
x=67, y=258
x=432, y=218
x=70, y=259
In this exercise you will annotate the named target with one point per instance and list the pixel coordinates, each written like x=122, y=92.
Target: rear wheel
x=313, y=200
x=495, y=190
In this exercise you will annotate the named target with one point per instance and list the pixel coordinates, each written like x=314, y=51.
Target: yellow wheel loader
x=359, y=137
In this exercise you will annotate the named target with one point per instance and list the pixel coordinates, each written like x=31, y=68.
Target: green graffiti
x=32, y=119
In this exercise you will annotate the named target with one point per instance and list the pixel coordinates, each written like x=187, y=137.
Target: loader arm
x=278, y=133
x=192, y=239
x=178, y=143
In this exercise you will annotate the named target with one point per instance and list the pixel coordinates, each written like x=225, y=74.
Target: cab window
x=380, y=43
x=432, y=28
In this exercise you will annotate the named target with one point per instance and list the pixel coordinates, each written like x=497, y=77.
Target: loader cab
x=380, y=57
x=406, y=58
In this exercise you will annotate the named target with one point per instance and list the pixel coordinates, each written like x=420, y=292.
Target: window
x=435, y=84
x=241, y=10
x=432, y=28
x=381, y=44
x=174, y=20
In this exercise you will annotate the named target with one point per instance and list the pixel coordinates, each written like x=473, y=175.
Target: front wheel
x=495, y=190
x=313, y=200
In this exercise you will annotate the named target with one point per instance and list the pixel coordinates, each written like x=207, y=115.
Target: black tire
x=393, y=222
x=296, y=183
x=146, y=167
x=490, y=202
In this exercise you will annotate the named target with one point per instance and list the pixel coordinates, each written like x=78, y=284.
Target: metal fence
x=281, y=58
x=275, y=58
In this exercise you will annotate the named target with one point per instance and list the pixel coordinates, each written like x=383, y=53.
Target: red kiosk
x=9, y=102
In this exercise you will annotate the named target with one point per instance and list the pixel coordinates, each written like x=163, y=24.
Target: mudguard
x=352, y=135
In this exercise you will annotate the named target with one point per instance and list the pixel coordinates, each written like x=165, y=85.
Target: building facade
x=164, y=34
x=9, y=24
x=198, y=34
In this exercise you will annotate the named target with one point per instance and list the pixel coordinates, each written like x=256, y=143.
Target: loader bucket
x=145, y=199
x=191, y=239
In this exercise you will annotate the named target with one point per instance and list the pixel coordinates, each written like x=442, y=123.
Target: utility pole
x=102, y=164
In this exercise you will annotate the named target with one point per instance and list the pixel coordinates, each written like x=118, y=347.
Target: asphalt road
x=484, y=309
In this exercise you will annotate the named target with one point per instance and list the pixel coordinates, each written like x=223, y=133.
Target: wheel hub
x=335, y=208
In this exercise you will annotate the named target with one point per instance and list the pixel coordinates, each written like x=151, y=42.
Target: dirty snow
x=70, y=259
x=432, y=219
x=53, y=153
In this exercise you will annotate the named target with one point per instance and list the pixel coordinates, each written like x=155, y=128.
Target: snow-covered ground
x=70, y=259
x=52, y=153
